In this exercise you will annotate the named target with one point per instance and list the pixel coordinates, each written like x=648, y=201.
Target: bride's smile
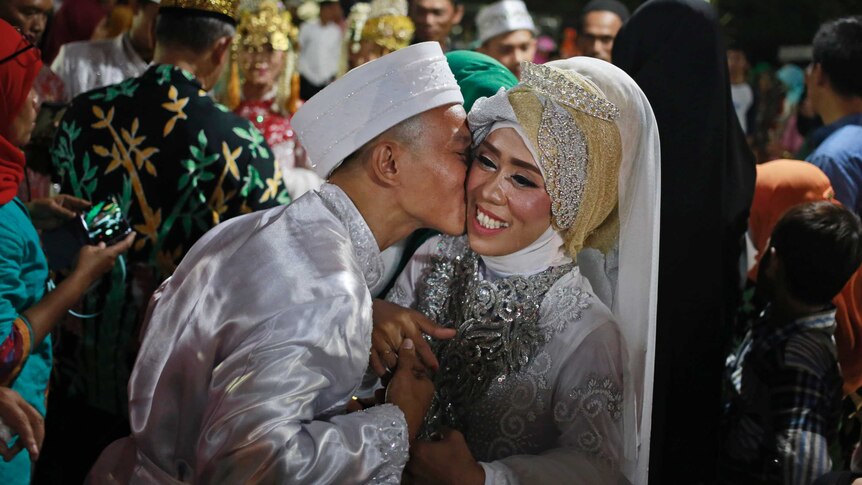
x=507, y=203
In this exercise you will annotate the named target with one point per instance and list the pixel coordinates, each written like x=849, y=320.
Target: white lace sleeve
x=588, y=408
x=405, y=289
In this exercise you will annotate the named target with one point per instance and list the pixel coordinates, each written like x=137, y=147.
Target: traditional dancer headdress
x=225, y=9
x=265, y=23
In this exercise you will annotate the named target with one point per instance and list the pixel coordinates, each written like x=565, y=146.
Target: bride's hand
x=392, y=324
x=447, y=461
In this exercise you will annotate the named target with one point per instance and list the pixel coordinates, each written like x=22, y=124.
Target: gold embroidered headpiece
x=388, y=24
x=572, y=127
x=226, y=9
x=266, y=25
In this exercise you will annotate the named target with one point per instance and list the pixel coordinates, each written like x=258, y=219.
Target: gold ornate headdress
x=266, y=25
x=579, y=150
x=225, y=8
x=388, y=24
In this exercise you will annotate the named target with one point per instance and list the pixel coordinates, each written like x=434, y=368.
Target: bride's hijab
x=594, y=137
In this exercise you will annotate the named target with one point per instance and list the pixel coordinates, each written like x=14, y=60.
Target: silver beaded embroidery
x=391, y=444
x=564, y=158
x=554, y=84
x=597, y=396
x=497, y=322
x=364, y=245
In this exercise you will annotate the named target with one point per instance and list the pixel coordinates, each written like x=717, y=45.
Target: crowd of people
x=247, y=241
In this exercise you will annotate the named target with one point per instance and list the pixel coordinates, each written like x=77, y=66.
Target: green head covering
x=478, y=75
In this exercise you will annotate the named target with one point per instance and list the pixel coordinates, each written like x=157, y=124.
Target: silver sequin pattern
x=497, y=322
x=564, y=158
x=554, y=84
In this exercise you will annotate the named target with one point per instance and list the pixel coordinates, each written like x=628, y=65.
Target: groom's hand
x=411, y=388
x=447, y=461
x=392, y=324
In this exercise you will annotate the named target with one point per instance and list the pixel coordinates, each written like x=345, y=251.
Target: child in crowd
x=784, y=381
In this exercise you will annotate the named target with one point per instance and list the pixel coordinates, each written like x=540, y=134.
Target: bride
x=552, y=290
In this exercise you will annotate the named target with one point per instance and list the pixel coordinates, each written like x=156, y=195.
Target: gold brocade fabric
x=580, y=155
x=229, y=8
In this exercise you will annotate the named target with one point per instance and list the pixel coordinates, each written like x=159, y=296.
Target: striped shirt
x=785, y=393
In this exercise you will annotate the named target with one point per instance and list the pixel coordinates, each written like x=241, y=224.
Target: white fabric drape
x=634, y=277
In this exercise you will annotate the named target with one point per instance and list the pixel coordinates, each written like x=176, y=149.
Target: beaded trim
x=564, y=158
x=553, y=84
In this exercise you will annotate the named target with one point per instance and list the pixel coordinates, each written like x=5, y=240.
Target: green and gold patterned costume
x=178, y=163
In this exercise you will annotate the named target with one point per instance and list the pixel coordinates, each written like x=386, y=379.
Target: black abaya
x=674, y=50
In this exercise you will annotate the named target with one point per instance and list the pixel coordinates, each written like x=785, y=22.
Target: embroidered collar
x=365, y=247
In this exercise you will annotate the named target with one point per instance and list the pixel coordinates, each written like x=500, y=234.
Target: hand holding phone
x=102, y=223
x=96, y=260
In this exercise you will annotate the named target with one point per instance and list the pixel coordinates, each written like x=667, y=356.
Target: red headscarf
x=782, y=184
x=16, y=79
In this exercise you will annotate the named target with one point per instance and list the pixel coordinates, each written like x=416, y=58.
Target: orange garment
x=782, y=184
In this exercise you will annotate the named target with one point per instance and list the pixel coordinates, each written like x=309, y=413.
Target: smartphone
x=106, y=223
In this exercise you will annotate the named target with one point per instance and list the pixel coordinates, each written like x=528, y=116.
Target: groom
x=255, y=345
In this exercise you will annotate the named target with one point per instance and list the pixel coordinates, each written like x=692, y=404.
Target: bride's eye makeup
x=523, y=181
x=486, y=162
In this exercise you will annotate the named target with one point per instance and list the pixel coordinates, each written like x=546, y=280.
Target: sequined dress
x=534, y=377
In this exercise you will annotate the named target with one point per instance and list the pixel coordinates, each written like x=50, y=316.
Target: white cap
x=370, y=99
x=503, y=17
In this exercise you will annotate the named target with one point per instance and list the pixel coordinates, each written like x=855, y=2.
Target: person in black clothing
x=675, y=52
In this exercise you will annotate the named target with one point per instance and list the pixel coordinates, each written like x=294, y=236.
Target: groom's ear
x=382, y=163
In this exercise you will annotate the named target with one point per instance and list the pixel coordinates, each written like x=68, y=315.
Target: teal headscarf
x=793, y=78
x=478, y=75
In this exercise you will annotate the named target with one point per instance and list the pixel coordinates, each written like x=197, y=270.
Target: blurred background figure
x=835, y=89
x=507, y=33
x=30, y=17
x=263, y=87
x=386, y=29
x=319, y=43
x=546, y=50
x=741, y=92
x=75, y=20
x=118, y=20
x=352, y=44
x=599, y=23
x=434, y=20
x=786, y=139
x=92, y=64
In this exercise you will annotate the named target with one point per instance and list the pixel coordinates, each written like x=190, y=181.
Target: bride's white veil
x=626, y=278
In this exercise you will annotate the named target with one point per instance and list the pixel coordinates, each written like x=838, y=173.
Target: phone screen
x=106, y=223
